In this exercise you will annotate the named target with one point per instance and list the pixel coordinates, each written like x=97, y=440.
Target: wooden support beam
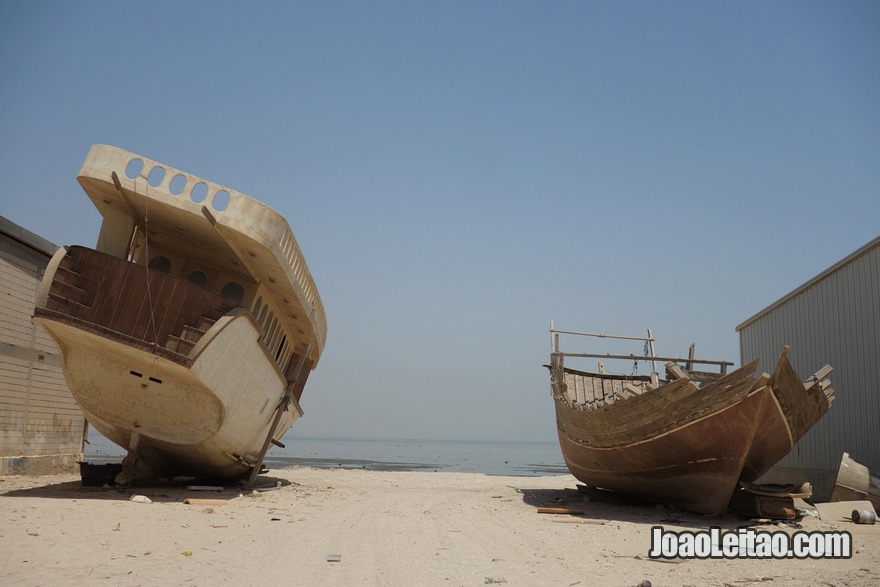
x=674, y=371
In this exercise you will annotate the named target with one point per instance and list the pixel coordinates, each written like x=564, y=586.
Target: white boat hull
x=209, y=419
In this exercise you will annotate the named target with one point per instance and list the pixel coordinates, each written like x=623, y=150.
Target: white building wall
x=41, y=426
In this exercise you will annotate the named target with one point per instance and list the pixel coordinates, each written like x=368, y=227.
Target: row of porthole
x=177, y=185
x=231, y=290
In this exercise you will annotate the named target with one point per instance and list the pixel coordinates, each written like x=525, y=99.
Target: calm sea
x=492, y=458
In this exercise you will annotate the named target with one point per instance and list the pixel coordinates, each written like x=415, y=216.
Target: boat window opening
x=279, y=336
x=136, y=374
x=133, y=169
x=270, y=331
x=282, y=360
x=199, y=192
x=262, y=319
x=257, y=305
x=270, y=339
x=198, y=278
x=160, y=263
x=282, y=363
x=281, y=348
x=233, y=291
x=177, y=185
x=220, y=201
x=157, y=174
x=155, y=380
x=276, y=341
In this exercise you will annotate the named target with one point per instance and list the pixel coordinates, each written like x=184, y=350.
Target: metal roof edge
x=798, y=290
x=26, y=237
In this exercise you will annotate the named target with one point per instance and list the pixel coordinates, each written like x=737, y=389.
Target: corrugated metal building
x=41, y=427
x=832, y=319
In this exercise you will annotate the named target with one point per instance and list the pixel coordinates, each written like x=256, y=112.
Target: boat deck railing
x=689, y=362
x=133, y=304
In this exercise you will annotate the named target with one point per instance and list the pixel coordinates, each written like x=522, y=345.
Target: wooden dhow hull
x=694, y=467
x=680, y=443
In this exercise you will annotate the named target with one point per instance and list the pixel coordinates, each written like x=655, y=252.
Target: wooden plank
x=571, y=511
x=630, y=390
x=673, y=371
x=194, y=501
x=657, y=411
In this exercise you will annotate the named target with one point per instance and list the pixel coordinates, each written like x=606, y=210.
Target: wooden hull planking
x=681, y=444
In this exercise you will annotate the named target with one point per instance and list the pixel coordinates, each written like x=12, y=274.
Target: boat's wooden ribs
x=142, y=304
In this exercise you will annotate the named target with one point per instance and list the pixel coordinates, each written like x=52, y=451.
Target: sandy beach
x=356, y=527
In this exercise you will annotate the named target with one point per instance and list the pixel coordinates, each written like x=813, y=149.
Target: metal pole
x=604, y=335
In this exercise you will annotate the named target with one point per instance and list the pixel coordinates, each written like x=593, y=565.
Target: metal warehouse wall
x=41, y=426
x=832, y=319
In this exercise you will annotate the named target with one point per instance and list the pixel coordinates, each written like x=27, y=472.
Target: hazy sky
x=460, y=173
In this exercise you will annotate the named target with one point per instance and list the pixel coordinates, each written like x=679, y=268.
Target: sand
x=356, y=527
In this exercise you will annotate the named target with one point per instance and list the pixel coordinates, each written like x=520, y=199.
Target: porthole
x=281, y=348
x=199, y=192
x=133, y=169
x=177, y=185
x=160, y=263
x=233, y=291
x=220, y=201
x=157, y=174
x=198, y=278
x=257, y=305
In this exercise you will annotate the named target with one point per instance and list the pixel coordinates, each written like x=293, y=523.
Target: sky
x=460, y=173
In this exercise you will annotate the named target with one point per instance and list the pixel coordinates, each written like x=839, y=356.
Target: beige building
x=41, y=427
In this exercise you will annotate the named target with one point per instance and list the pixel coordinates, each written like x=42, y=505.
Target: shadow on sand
x=623, y=508
x=162, y=490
